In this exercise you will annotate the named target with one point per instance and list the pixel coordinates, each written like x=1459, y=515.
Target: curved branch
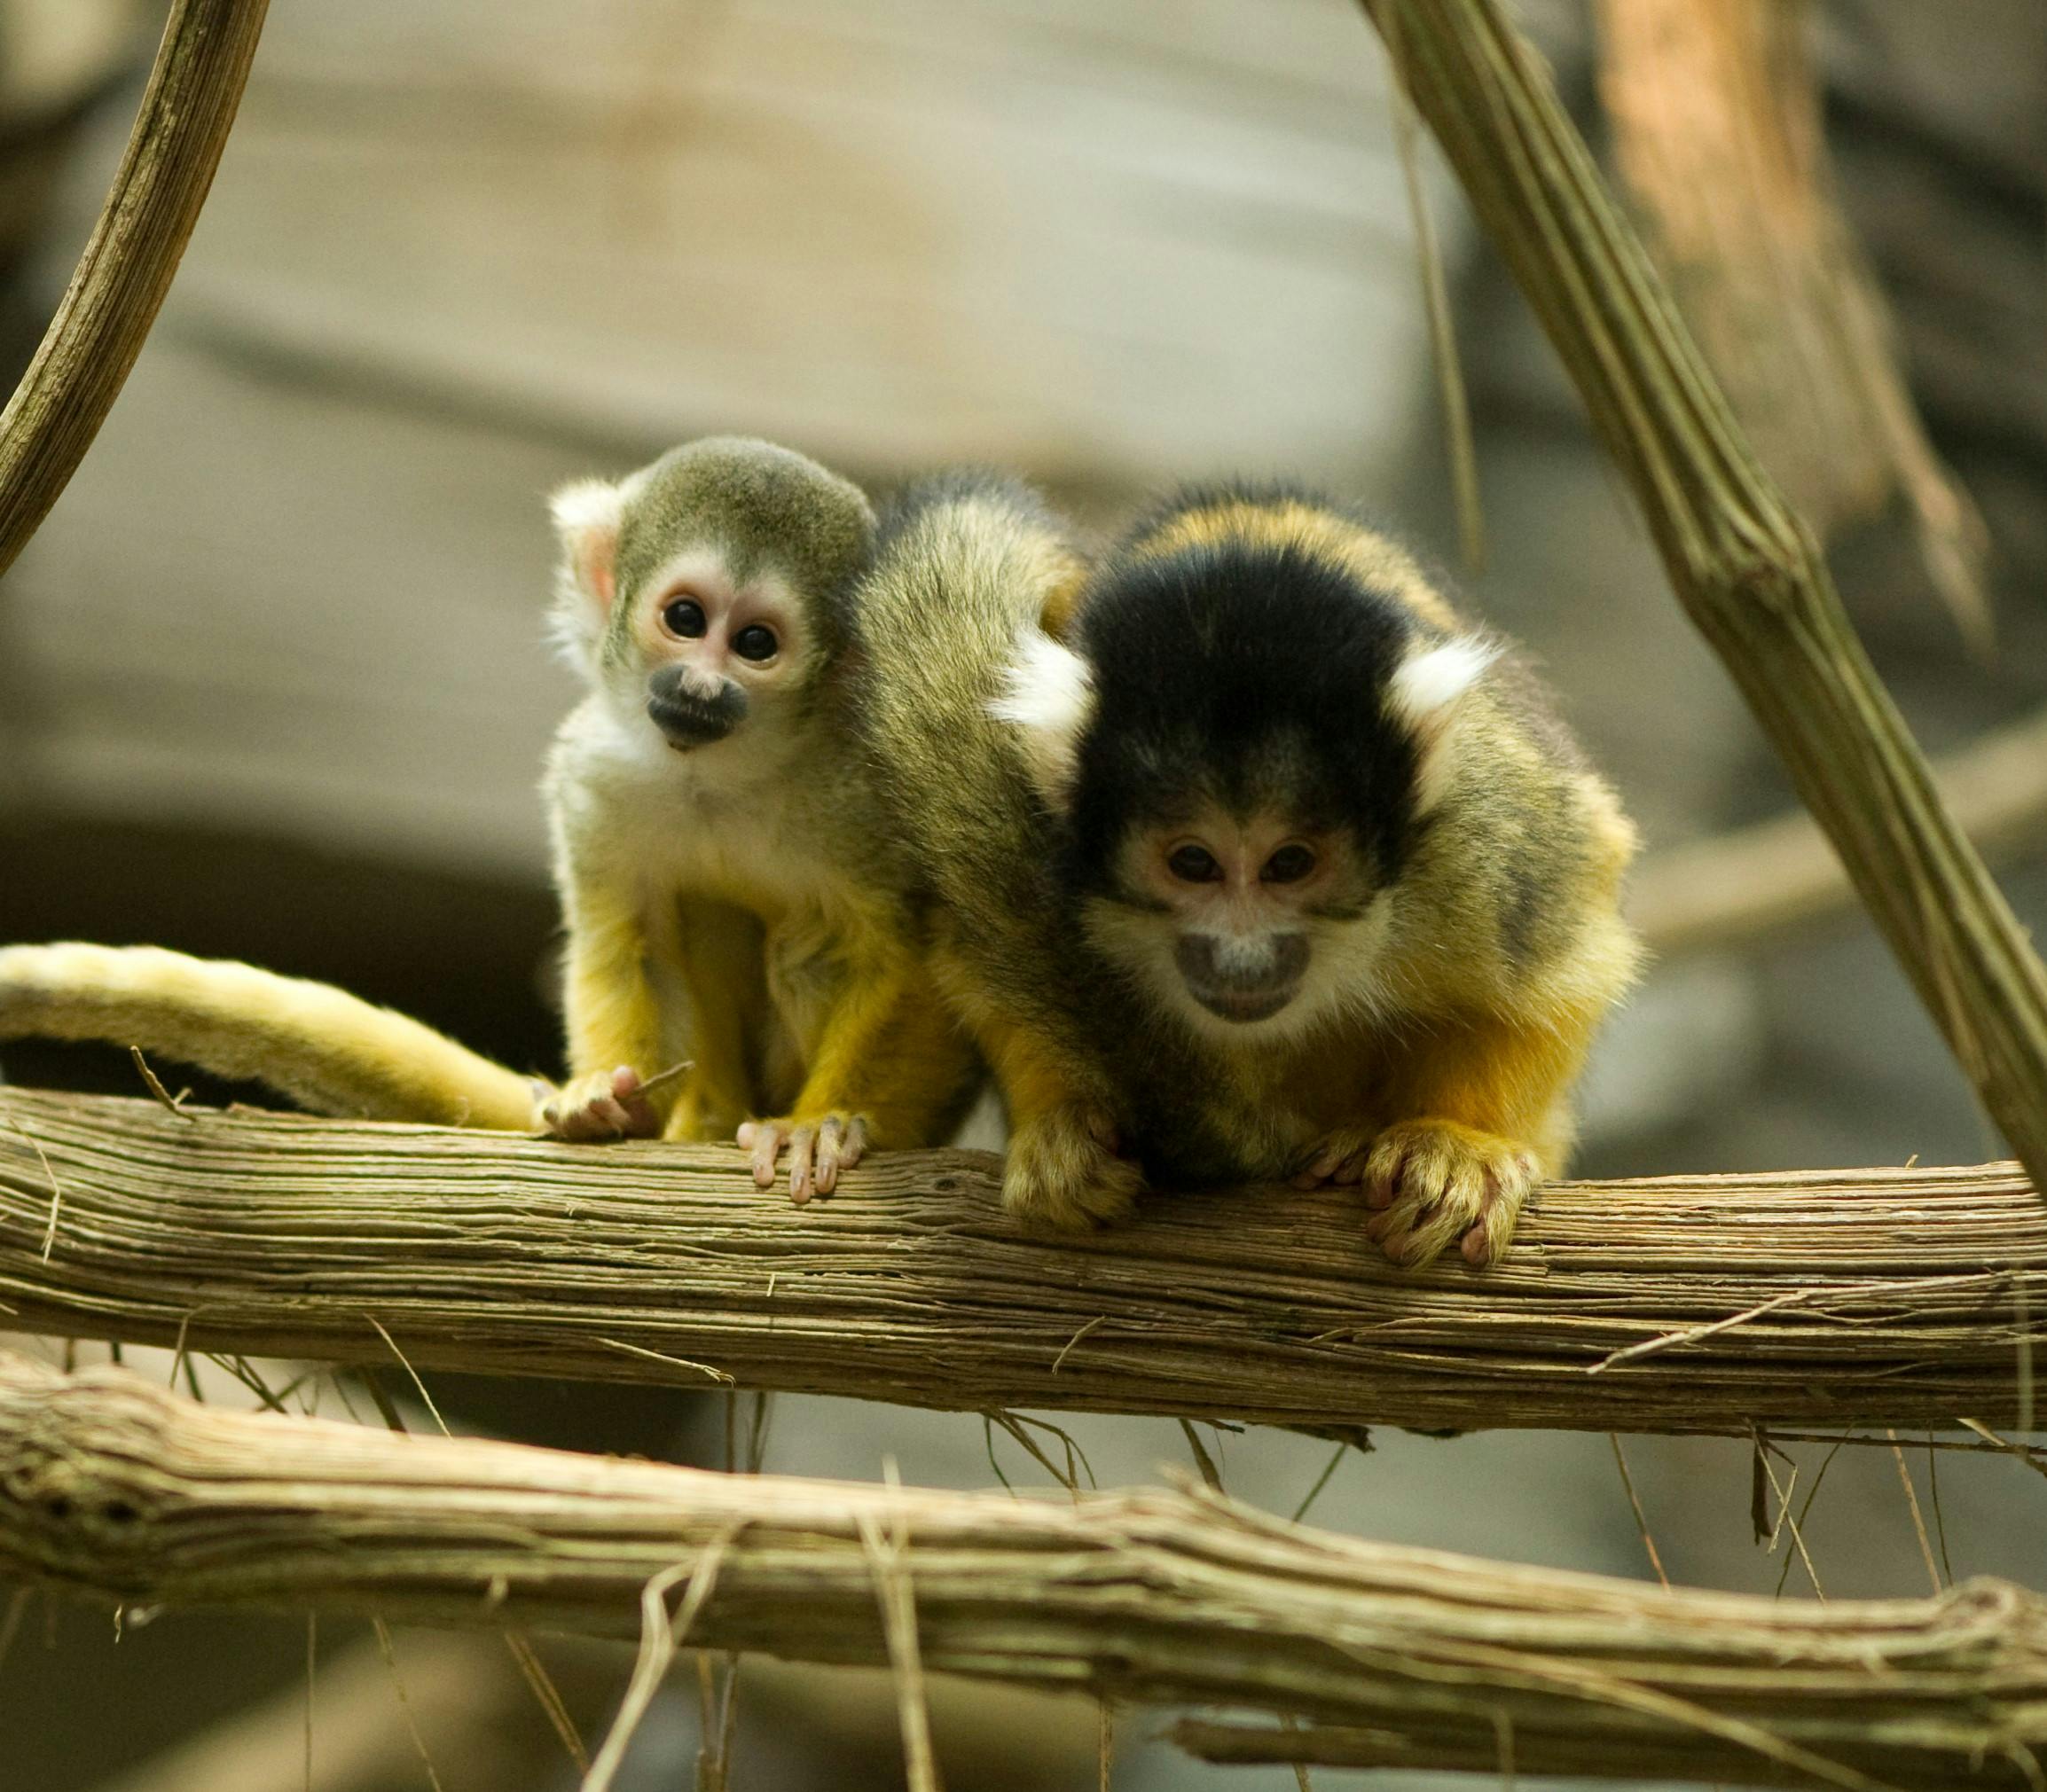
x=113, y=1488
x=201, y=66
x=1686, y=1304
x=1743, y=564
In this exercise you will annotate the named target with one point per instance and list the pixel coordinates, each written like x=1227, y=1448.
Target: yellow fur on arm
x=613, y=1017
x=1511, y=1078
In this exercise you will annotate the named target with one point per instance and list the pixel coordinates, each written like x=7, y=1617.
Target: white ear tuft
x=587, y=513
x=1049, y=695
x=1428, y=684
x=1426, y=693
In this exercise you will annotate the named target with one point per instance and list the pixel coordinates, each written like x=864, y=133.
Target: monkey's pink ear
x=1049, y=697
x=1428, y=693
x=587, y=514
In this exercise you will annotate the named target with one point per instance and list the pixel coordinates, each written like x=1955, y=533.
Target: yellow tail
x=329, y=1051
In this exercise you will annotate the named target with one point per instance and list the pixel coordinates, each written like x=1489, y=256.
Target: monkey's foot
x=1433, y=1182
x=605, y=1104
x=818, y=1150
x=1063, y=1173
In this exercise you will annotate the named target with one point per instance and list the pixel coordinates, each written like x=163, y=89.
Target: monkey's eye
x=755, y=641
x=1289, y=864
x=684, y=617
x=1193, y=864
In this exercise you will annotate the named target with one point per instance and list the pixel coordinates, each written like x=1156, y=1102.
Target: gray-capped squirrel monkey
x=728, y=896
x=1250, y=858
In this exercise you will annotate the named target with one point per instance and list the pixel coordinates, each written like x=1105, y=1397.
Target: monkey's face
x=1235, y=921
x=706, y=652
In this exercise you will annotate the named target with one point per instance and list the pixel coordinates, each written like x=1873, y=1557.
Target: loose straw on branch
x=112, y=1487
x=1685, y=1303
x=1741, y=563
x=126, y=269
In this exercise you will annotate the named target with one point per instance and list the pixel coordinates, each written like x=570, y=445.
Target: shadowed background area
x=272, y=683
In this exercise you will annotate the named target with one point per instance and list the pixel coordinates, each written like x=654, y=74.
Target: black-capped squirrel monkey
x=1250, y=859
x=728, y=899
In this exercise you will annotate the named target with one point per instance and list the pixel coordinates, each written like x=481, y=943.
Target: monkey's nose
x=686, y=715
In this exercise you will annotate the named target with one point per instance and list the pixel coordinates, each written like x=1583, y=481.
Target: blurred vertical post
x=1718, y=135
x=1743, y=563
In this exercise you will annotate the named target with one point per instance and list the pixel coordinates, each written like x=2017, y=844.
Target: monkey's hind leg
x=718, y=964
x=890, y=1067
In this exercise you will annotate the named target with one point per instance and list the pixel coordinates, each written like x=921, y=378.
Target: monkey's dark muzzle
x=690, y=720
x=1239, y=992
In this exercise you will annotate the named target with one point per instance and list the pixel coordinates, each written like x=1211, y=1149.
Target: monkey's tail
x=329, y=1051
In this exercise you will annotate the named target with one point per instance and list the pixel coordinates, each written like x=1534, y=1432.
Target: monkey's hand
x=1063, y=1173
x=605, y=1104
x=818, y=1150
x=1430, y=1184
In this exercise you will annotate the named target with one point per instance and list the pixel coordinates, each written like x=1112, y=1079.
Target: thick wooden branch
x=1687, y=1304
x=1744, y=565
x=126, y=269
x=110, y=1487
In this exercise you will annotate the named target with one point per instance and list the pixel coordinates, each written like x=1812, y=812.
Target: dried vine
x=194, y=91
x=1742, y=562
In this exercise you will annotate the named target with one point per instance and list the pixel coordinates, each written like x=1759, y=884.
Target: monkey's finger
x=803, y=1163
x=582, y=1124
x=856, y=1145
x=1485, y=1239
x=831, y=1153
x=767, y=1141
x=1415, y=1239
x=637, y=1117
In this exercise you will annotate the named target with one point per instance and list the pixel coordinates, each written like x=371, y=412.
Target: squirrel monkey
x=727, y=897
x=1251, y=859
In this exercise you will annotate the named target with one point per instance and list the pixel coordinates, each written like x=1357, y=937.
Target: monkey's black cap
x=1246, y=674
